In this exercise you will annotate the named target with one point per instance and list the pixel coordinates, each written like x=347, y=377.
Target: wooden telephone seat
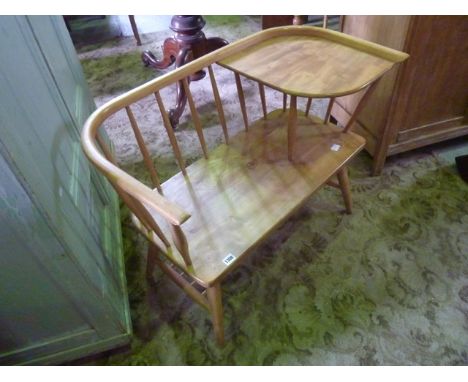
x=203, y=221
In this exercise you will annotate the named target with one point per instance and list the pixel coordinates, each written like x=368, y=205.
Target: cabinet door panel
x=44, y=102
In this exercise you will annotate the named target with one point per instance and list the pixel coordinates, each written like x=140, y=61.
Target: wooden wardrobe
x=423, y=101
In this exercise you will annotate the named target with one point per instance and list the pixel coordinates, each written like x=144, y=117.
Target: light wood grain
x=195, y=117
x=292, y=127
x=406, y=110
x=144, y=150
x=240, y=93
x=182, y=283
x=219, y=104
x=309, y=104
x=362, y=103
x=330, y=38
x=170, y=133
x=214, y=295
x=293, y=64
x=171, y=211
x=124, y=183
x=225, y=204
x=326, y=119
x=249, y=187
x=180, y=242
x=345, y=188
x=261, y=90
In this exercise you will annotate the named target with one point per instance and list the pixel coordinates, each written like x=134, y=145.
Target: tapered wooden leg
x=240, y=93
x=216, y=307
x=292, y=127
x=309, y=104
x=261, y=89
x=151, y=260
x=345, y=188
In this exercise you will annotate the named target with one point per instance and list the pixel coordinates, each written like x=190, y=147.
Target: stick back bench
x=204, y=220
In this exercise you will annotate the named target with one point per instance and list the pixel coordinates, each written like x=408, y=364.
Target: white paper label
x=229, y=259
x=335, y=147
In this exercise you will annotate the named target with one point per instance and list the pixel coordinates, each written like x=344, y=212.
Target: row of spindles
x=136, y=205
x=155, y=180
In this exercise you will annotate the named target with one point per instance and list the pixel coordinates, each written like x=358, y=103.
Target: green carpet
x=387, y=285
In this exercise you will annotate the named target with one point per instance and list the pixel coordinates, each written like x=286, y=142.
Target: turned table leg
x=187, y=44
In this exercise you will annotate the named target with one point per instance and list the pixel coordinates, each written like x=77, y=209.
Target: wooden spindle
x=333, y=183
x=325, y=22
x=285, y=101
x=292, y=127
x=181, y=244
x=309, y=104
x=170, y=133
x=182, y=283
x=195, y=117
x=144, y=150
x=219, y=105
x=329, y=109
x=360, y=106
x=240, y=93
x=261, y=89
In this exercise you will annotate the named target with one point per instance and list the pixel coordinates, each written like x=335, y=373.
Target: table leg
x=135, y=29
x=292, y=126
x=170, y=51
x=345, y=188
x=187, y=44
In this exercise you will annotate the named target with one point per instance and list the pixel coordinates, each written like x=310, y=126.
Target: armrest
x=169, y=210
x=119, y=178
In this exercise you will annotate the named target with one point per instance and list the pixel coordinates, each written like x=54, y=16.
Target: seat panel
x=246, y=189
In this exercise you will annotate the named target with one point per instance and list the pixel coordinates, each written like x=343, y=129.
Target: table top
x=314, y=64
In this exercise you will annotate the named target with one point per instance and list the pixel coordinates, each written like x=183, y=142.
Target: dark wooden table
x=187, y=44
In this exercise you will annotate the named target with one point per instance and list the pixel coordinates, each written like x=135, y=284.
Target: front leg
x=345, y=188
x=216, y=308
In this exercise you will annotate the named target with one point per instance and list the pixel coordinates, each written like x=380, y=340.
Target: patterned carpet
x=387, y=285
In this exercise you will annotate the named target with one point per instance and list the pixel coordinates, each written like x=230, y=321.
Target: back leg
x=345, y=188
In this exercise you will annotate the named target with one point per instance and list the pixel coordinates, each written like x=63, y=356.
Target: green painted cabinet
x=62, y=281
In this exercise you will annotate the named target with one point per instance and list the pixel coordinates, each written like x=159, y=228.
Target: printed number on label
x=229, y=259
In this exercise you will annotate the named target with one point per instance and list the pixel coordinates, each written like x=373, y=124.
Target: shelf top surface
x=310, y=66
